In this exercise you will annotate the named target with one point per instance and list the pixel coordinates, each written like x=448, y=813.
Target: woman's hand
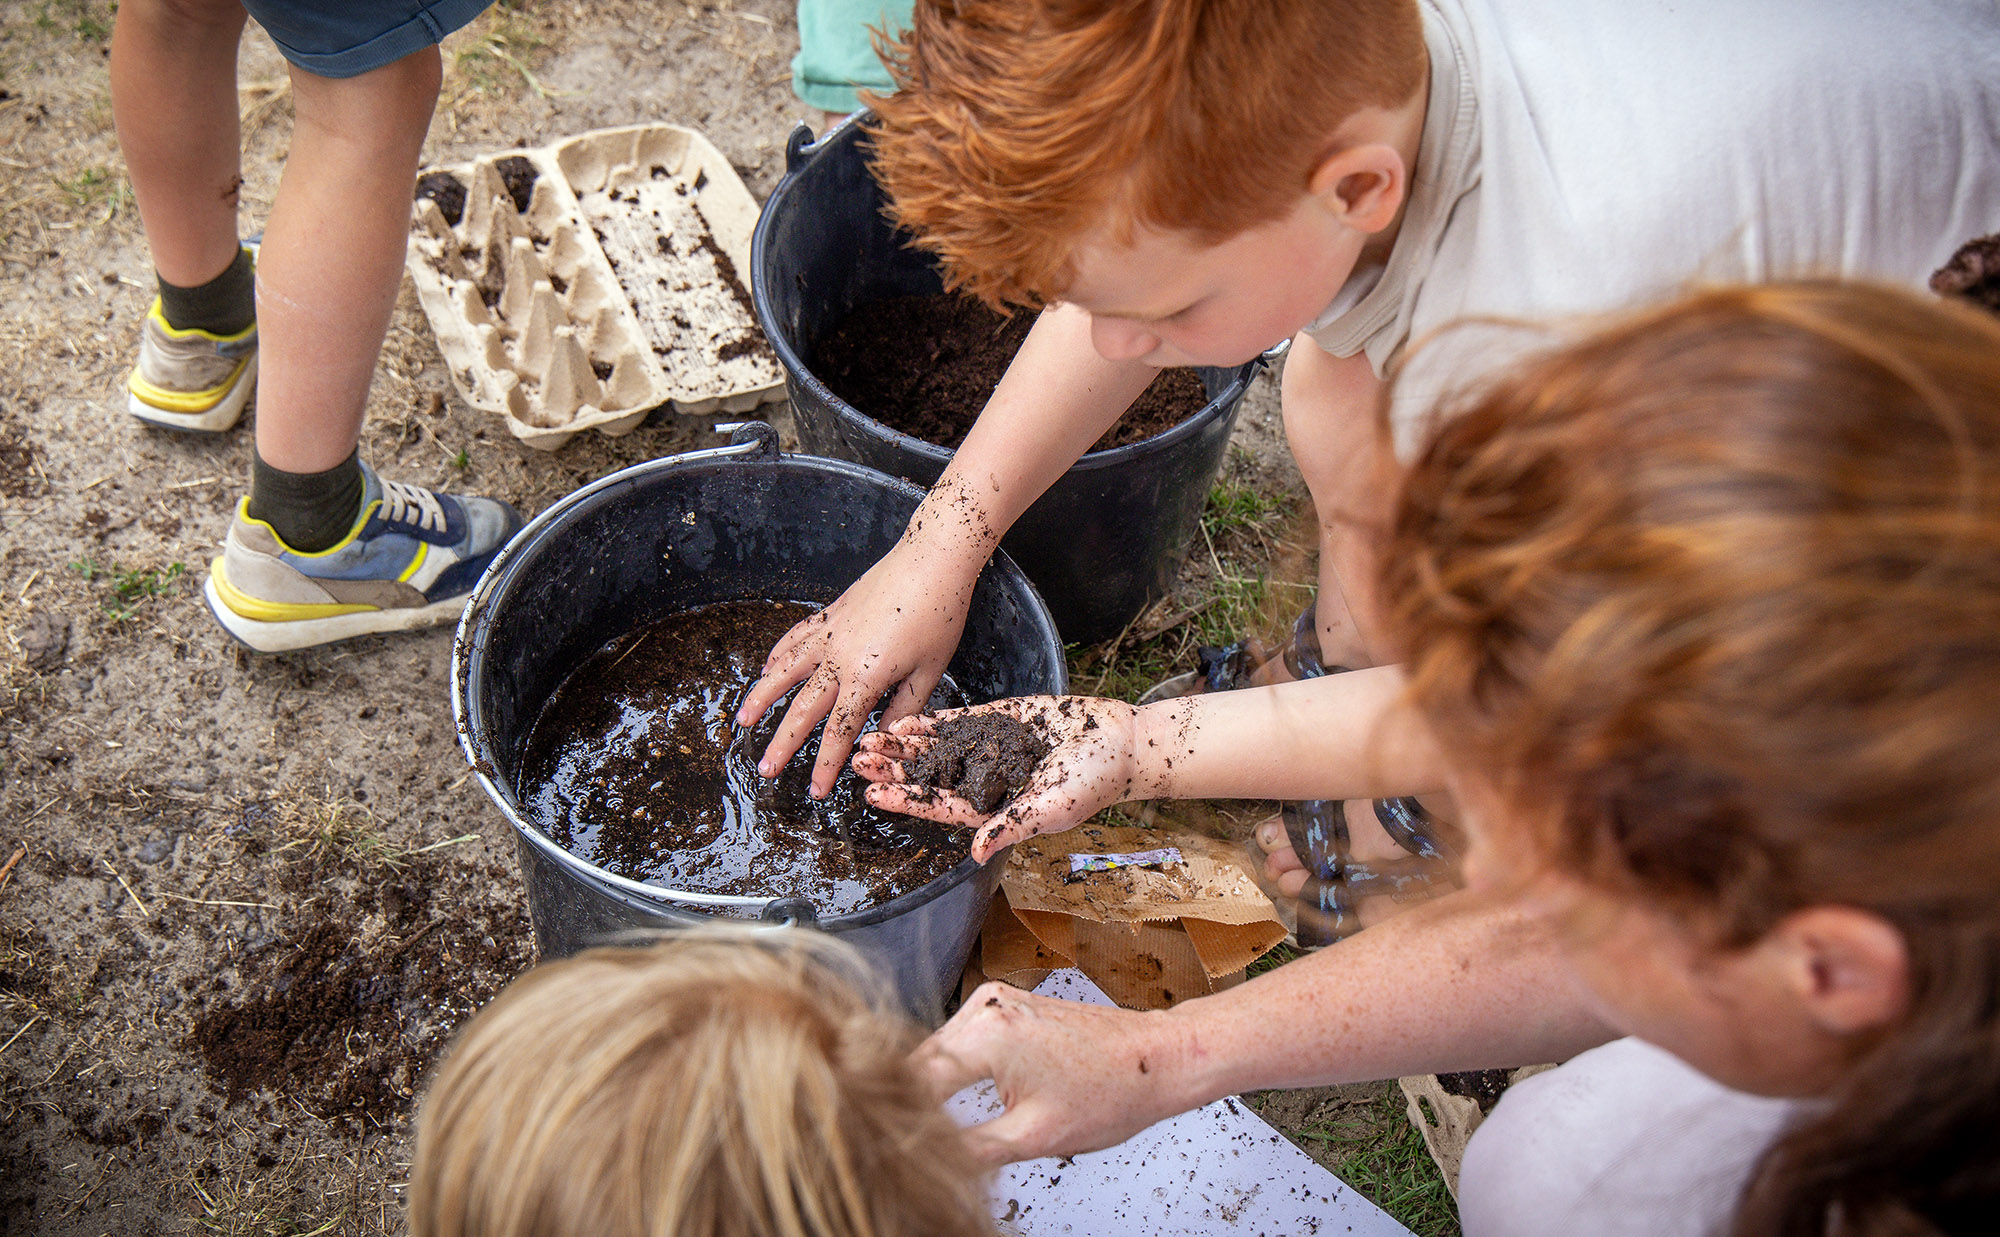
x=1089, y=767
x=1073, y=1077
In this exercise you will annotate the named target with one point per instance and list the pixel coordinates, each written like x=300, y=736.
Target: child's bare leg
x=333, y=255
x=173, y=100
x=1332, y=423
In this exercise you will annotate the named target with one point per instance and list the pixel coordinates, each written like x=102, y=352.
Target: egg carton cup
x=602, y=288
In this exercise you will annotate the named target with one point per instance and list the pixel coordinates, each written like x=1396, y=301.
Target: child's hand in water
x=1089, y=767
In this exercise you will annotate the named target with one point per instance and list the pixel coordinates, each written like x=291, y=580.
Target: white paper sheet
x=1218, y=1169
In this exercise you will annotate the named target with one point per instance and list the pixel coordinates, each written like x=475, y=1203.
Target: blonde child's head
x=1024, y=135
x=1707, y=608
x=709, y=1084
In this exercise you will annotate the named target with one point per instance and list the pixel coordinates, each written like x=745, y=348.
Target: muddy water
x=634, y=766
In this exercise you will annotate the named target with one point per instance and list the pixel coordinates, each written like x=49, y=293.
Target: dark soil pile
x=926, y=365
x=1973, y=273
x=635, y=765
x=518, y=174
x=983, y=758
x=447, y=191
x=350, y=1028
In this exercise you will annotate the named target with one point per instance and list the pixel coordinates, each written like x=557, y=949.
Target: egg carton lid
x=631, y=244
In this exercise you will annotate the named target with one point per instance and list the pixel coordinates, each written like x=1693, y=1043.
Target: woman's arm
x=1460, y=983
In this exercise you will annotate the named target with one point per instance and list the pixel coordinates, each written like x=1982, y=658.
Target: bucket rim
x=800, y=157
x=758, y=446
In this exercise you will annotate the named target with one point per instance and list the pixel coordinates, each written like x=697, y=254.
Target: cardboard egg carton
x=580, y=285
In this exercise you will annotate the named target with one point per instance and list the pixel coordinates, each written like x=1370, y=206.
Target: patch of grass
x=500, y=55
x=1280, y=954
x=252, y=1200
x=130, y=588
x=85, y=19
x=1236, y=597
x=462, y=460
x=1234, y=507
x=1385, y=1159
x=96, y=186
x=333, y=828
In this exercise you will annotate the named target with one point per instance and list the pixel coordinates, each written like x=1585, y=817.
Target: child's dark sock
x=223, y=306
x=311, y=511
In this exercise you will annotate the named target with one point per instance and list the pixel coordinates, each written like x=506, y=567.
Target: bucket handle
x=790, y=912
x=757, y=434
x=795, y=147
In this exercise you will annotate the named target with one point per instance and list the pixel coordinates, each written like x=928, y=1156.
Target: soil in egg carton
x=634, y=765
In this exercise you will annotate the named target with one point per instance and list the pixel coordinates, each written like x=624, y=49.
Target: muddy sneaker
x=193, y=379
x=408, y=562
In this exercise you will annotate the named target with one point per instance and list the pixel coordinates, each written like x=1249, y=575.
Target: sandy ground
x=248, y=898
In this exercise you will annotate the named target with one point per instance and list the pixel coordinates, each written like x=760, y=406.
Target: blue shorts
x=347, y=38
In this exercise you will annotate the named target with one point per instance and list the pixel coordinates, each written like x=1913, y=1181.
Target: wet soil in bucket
x=635, y=766
x=926, y=365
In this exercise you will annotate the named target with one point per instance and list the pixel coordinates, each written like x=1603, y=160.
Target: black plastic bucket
x=732, y=523
x=1107, y=538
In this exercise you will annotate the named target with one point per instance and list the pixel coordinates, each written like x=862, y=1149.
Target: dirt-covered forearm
x=1057, y=398
x=1460, y=983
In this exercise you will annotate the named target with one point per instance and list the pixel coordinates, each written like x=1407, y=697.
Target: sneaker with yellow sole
x=191, y=380
x=410, y=561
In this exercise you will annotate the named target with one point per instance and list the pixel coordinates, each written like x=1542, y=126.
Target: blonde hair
x=719, y=1083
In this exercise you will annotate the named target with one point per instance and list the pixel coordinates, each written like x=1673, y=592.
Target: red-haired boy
x=1191, y=181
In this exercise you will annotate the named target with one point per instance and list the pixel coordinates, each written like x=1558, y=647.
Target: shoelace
x=409, y=504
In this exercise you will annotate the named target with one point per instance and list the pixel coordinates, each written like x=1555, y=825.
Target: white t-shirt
x=1626, y=1139
x=1588, y=155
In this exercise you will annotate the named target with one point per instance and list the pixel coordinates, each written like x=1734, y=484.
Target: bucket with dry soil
x=601, y=659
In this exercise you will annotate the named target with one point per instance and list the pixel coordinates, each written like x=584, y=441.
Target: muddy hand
x=1089, y=767
x=1074, y=1077
x=877, y=635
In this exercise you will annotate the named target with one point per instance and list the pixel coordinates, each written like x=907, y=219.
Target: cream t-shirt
x=1580, y=156
x=1626, y=1140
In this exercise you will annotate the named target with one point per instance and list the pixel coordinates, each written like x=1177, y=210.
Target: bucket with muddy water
x=603, y=584
x=1107, y=538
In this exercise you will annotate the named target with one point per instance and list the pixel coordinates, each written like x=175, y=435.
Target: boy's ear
x=1364, y=186
x=1848, y=968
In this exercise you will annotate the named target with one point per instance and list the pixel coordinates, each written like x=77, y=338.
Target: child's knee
x=394, y=101
x=182, y=14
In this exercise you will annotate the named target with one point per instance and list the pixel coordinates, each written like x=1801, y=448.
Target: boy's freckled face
x=1168, y=298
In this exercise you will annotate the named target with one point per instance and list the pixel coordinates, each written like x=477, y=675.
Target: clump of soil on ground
x=349, y=1027
x=984, y=758
x=926, y=365
x=447, y=191
x=517, y=173
x=1972, y=273
x=636, y=766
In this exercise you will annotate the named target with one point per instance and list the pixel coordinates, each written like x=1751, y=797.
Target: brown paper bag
x=1148, y=936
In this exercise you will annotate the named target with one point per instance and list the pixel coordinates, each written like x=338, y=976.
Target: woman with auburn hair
x=719, y=1083
x=1700, y=619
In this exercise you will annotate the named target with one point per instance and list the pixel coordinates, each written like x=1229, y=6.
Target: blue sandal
x=1318, y=827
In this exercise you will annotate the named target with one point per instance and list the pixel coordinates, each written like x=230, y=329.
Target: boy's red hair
x=1019, y=127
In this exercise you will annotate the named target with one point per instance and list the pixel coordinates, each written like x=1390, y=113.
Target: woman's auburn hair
x=719, y=1083
x=1021, y=128
x=1712, y=599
